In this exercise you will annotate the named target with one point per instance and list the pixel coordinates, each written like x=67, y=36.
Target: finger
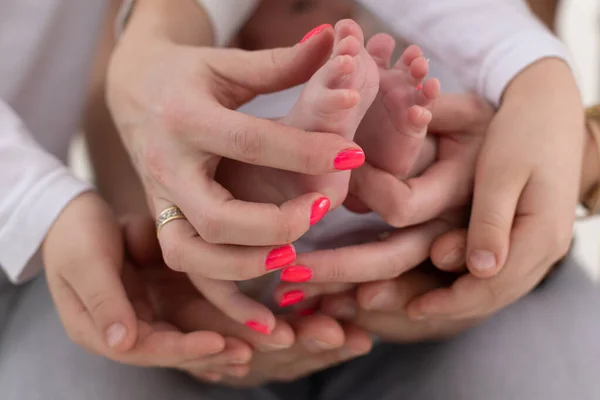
x=236, y=352
x=228, y=298
x=357, y=343
x=202, y=315
x=472, y=297
x=394, y=295
x=448, y=252
x=99, y=290
x=400, y=252
x=445, y=185
x=499, y=183
x=319, y=333
x=289, y=294
x=460, y=113
x=185, y=251
x=271, y=144
x=272, y=70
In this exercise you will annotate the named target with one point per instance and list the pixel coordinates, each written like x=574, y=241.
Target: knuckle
x=399, y=213
x=246, y=144
x=492, y=222
x=210, y=229
x=98, y=301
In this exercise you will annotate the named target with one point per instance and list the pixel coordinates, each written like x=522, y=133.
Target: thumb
x=498, y=186
x=267, y=71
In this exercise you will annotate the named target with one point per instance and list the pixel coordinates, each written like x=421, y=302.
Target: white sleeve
x=228, y=17
x=34, y=189
x=485, y=43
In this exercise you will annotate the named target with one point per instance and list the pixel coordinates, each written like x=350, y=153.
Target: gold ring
x=167, y=215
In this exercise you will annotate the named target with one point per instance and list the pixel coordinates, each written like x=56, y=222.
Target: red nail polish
x=306, y=313
x=280, y=257
x=349, y=159
x=315, y=32
x=419, y=86
x=319, y=209
x=296, y=273
x=291, y=298
x=258, y=327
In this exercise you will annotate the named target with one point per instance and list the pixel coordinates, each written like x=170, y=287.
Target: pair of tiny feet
x=356, y=94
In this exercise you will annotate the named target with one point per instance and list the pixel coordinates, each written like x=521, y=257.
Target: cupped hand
x=174, y=104
x=459, y=124
x=100, y=299
x=526, y=190
x=297, y=346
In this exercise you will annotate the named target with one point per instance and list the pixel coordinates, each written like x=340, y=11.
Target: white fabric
x=228, y=17
x=46, y=49
x=485, y=43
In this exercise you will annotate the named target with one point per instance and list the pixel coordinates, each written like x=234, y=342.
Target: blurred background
x=578, y=26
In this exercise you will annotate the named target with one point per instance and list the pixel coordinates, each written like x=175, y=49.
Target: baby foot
x=334, y=100
x=395, y=126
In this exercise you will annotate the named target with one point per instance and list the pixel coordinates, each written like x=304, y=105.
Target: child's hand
x=94, y=287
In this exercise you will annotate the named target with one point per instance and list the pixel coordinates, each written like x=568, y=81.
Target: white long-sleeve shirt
x=485, y=43
x=46, y=49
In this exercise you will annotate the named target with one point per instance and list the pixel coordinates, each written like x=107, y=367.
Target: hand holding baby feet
x=394, y=129
x=334, y=100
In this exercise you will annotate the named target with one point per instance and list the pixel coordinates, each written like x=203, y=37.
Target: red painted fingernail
x=296, y=273
x=258, y=327
x=319, y=209
x=419, y=86
x=280, y=257
x=349, y=159
x=315, y=31
x=290, y=298
x=308, y=312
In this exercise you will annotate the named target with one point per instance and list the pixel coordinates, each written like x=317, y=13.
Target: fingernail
x=291, y=298
x=307, y=313
x=349, y=159
x=348, y=353
x=319, y=209
x=258, y=327
x=419, y=86
x=296, y=273
x=268, y=347
x=455, y=257
x=380, y=301
x=115, y=334
x=315, y=32
x=482, y=260
x=280, y=257
x=317, y=346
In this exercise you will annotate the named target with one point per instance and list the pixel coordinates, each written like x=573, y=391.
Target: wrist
x=184, y=22
x=546, y=79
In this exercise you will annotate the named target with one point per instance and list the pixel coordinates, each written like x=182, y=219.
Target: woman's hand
x=297, y=346
x=100, y=300
x=173, y=102
x=526, y=190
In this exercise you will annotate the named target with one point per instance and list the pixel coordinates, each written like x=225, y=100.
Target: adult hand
x=525, y=195
x=99, y=298
x=459, y=123
x=295, y=348
x=173, y=102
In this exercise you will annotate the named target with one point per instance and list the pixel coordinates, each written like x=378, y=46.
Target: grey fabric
x=544, y=347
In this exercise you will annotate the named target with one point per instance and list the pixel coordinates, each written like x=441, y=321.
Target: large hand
x=98, y=296
x=174, y=103
x=525, y=195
